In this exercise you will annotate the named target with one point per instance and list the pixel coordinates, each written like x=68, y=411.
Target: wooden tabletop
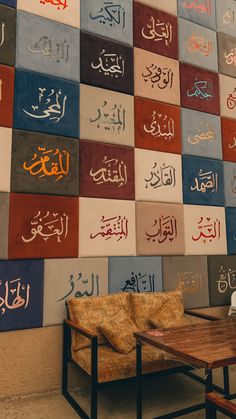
x=203, y=345
x=210, y=313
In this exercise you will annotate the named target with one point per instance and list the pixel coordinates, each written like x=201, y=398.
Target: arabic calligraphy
x=16, y=295
x=111, y=14
x=87, y=286
x=50, y=47
x=114, y=171
x=61, y=4
x=110, y=117
x=227, y=279
x=198, y=6
x=49, y=163
x=162, y=77
x=47, y=226
x=164, y=228
x=110, y=64
x=190, y=282
x=208, y=135
x=116, y=227
x=230, y=57
x=205, y=181
x=2, y=39
x=167, y=131
x=158, y=31
x=231, y=100
x=234, y=185
x=200, y=44
x=163, y=175
x=208, y=229
x=201, y=89
x=234, y=143
x=229, y=16
x=139, y=282
x=53, y=106
x=1, y=83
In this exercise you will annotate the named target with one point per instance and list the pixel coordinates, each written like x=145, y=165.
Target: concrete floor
x=118, y=402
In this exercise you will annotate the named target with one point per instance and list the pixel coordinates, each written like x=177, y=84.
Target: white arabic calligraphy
x=57, y=50
x=168, y=129
x=205, y=181
x=57, y=226
x=113, y=64
x=2, y=34
x=54, y=104
x=13, y=299
x=158, y=31
x=106, y=174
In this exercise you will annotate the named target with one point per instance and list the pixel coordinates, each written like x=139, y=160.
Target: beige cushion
x=90, y=312
x=146, y=304
x=119, y=331
x=171, y=313
x=113, y=365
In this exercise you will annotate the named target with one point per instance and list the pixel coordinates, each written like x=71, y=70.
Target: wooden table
x=205, y=345
x=210, y=313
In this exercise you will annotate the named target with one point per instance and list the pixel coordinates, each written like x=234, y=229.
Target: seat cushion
x=119, y=331
x=113, y=365
x=89, y=312
x=146, y=304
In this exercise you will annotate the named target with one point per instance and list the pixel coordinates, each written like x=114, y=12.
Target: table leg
x=226, y=381
x=208, y=389
x=139, y=378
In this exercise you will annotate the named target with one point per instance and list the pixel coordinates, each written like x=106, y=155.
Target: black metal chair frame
x=69, y=326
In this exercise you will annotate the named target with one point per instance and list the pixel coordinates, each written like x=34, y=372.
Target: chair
x=232, y=309
x=216, y=403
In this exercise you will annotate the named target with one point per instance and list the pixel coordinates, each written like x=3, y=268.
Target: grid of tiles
x=118, y=152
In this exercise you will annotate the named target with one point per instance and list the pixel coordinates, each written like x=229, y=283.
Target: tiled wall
x=117, y=152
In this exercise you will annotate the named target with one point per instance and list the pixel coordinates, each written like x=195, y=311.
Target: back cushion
x=90, y=312
x=146, y=304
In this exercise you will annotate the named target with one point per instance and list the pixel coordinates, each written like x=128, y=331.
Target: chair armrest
x=82, y=330
x=221, y=404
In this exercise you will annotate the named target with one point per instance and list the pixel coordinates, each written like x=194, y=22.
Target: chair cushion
x=90, y=312
x=119, y=330
x=171, y=313
x=113, y=365
x=146, y=304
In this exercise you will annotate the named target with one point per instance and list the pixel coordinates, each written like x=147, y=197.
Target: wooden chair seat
x=217, y=403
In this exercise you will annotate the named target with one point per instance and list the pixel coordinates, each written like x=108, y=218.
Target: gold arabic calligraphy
x=166, y=131
x=114, y=171
x=158, y=31
x=200, y=44
x=17, y=295
x=49, y=163
x=205, y=181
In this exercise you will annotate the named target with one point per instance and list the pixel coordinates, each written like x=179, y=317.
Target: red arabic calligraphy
x=61, y=4
x=207, y=229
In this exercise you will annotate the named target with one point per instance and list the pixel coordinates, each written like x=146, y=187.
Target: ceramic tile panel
x=156, y=77
x=106, y=116
x=226, y=16
x=231, y=230
x=21, y=294
x=46, y=104
x=197, y=45
x=205, y=230
x=7, y=35
x=228, y=127
x=199, y=89
x=158, y=176
x=6, y=95
x=203, y=181
x=189, y=273
x=4, y=222
x=107, y=228
x=68, y=278
x=202, y=12
x=106, y=63
x=135, y=274
x=112, y=19
x=222, y=279
x=5, y=158
x=157, y=126
x=227, y=55
x=169, y=7
x=48, y=46
x=106, y=171
x=64, y=11
x=155, y=31
x=227, y=96
x=201, y=134
x=10, y=3
x=160, y=229
x=49, y=164
x=42, y=226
